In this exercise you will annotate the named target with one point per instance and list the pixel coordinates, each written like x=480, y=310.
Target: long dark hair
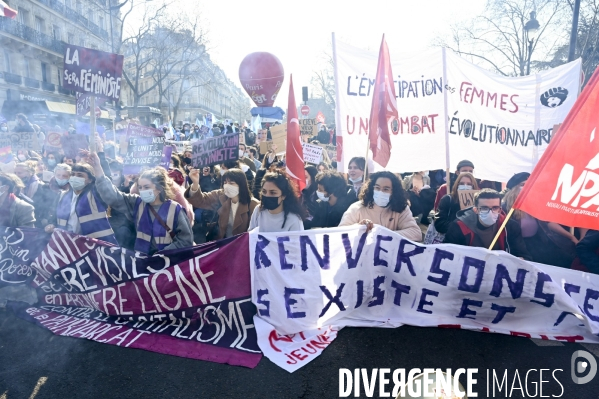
x=312, y=171
x=238, y=176
x=398, y=200
x=288, y=189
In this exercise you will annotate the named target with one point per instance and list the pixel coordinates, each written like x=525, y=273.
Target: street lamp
x=530, y=29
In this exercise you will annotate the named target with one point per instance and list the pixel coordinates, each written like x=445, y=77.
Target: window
x=39, y=24
x=7, y=67
x=71, y=38
x=44, y=72
x=68, y=3
x=90, y=15
x=56, y=34
x=101, y=22
x=79, y=7
x=23, y=16
x=82, y=41
x=26, y=67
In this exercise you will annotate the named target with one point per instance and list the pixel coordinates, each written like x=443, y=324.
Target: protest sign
x=318, y=281
x=24, y=141
x=53, y=141
x=115, y=296
x=308, y=127
x=215, y=150
x=466, y=198
x=502, y=124
x=180, y=146
x=167, y=152
x=92, y=72
x=279, y=140
x=144, y=148
x=72, y=143
x=312, y=153
x=83, y=103
x=331, y=151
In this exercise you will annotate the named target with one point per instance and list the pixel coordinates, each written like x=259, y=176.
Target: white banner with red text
x=308, y=285
x=450, y=109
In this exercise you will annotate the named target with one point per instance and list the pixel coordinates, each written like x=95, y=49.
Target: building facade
x=31, y=54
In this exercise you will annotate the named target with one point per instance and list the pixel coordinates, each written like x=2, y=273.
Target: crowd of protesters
x=160, y=209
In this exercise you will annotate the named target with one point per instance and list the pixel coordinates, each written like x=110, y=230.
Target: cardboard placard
x=312, y=153
x=331, y=151
x=279, y=140
x=72, y=143
x=180, y=146
x=144, y=150
x=215, y=150
x=308, y=127
x=53, y=140
x=24, y=141
x=466, y=198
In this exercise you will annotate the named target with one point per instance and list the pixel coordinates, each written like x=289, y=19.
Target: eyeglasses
x=485, y=209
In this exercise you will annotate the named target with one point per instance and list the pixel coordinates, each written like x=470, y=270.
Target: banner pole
x=114, y=130
x=507, y=218
x=366, y=159
x=92, y=123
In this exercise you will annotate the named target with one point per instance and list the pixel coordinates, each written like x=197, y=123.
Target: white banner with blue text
x=307, y=285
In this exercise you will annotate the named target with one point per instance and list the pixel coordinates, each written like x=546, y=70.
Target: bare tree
x=158, y=49
x=587, y=44
x=497, y=39
x=323, y=80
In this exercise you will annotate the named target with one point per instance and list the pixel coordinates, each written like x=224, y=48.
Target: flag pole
x=92, y=123
x=366, y=159
x=507, y=218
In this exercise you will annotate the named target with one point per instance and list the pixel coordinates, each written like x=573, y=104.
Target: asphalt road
x=36, y=363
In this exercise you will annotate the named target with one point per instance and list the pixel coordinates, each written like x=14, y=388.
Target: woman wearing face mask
x=3, y=128
x=546, y=242
x=355, y=173
x=22, y=155
x=51, y=160
x=249, y=175
x=383, y=202
x=449, y=205
x=60, y=180
x=174, y=171
x=233, y=203
x=161, y=223
x=280, y=209
x=334, y=198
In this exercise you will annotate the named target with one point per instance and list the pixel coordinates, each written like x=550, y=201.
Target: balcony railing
x=31, y=35
x=12, y=78
x=48, y=86
x=75, y=16
x=33, y=83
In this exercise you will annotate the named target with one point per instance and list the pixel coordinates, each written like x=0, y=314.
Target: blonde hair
x=163, y=182
x=454, y=189
x=509, y=199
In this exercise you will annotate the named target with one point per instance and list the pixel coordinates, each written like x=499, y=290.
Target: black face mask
x=270, y=203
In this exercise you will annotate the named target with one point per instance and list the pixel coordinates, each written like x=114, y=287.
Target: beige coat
x=402, y=223
x=217, y=201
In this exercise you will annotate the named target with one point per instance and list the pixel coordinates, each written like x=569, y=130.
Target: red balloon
x=261, y=75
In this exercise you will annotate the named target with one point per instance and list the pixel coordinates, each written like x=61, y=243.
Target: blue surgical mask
x=488, y=219
x=61, y=182
x=51, y=162
x=147, y=196
x=381, y=198
x=78, y=183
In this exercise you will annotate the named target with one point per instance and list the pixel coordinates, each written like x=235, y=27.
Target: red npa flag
x=383, y=110
x=564, y=186
x=294, y=155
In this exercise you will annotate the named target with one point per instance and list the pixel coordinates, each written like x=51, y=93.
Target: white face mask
x=241, y=153
x=359, y=179
x=322, y=197
x=78, y=183
x=4, y=128
x=21, y=157
x=489, y=219
x=381, y=198
x=464, y=187
x=245, y=168
x=231, y=190
x=147, y=196
x=222, y=172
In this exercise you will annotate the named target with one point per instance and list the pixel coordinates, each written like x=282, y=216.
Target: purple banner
x=167, y=152
x=83, y=103
x=215, y=150
x=144, y=148
x=92, y=71
x=18, y=247
x=193, y=302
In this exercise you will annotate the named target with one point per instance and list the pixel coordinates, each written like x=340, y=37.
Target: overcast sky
x=298, y=32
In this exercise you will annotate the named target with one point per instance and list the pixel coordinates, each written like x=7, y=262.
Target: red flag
x=383, y=110
x=564, y=186
x=294, y=156
x=320, y=117
x=6, y=11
